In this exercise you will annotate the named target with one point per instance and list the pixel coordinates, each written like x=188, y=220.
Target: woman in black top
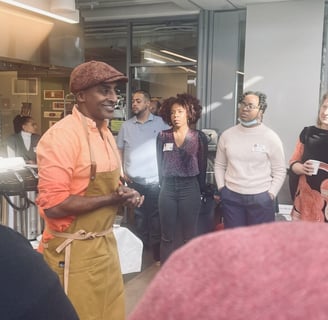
x=23, y=143
x=182, y=162
x=310, y=191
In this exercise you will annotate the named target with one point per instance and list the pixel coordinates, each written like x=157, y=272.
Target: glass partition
x=164, y=81
x=158, y=56
x=164, y=57
x=164, y=43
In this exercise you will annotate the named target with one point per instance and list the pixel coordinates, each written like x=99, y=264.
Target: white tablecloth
x=129, y=249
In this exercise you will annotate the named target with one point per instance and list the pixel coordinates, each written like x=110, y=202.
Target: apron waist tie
x=70, y=237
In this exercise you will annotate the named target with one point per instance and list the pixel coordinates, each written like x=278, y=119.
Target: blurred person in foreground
x=269, y=271
x=80, y=192
x=309, y=188
x=249, y=166
x=29, y=289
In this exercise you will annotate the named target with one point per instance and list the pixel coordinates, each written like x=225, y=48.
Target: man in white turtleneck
x=23, y=142
x=249, y=166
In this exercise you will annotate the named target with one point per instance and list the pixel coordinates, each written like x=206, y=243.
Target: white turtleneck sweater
x=250, y=160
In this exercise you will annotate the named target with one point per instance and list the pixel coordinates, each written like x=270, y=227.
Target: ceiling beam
x=139, y=11
x=214, y=4
x=186, y=4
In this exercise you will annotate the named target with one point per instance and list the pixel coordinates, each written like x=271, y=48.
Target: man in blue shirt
x=136, y=141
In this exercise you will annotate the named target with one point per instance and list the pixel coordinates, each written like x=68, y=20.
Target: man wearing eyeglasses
x=249, y=166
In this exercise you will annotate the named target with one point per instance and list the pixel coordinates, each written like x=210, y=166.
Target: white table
x=129, y=249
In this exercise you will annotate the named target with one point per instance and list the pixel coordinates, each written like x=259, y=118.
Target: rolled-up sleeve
x=59, y=173
x=64, y=160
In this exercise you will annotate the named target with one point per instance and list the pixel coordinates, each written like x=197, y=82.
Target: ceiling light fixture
x=43, y=9
x=151, y=55
x=187, y=69
x=155, y=60
x=178, y=55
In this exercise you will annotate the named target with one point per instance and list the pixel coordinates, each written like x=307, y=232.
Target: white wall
x=283, y=59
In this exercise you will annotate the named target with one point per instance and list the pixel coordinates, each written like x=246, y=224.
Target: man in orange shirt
x=80, y=192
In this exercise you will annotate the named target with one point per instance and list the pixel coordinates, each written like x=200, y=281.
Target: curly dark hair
x=187, y=101
x=262, y=98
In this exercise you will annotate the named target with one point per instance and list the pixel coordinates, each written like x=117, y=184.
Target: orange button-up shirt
x=63, y=157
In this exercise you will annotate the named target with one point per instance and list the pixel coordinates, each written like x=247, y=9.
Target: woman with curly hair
x=182, y=162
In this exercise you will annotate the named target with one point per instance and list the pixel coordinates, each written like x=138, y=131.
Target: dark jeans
x=246, y=209
x=179, y=206
x=146, y=218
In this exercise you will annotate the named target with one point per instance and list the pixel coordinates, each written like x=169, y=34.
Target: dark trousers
x=146, y=218
x=179, y=206
x=245, y=210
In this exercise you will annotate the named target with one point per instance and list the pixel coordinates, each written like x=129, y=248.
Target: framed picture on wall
x=5, y=103
x=24, y=86
x=53, y=94
x=52, y=114
x=51, y=123
x=60, y=105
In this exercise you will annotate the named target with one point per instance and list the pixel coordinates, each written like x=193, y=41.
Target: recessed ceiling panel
x=214, y=4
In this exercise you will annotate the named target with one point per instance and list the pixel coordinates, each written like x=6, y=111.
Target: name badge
x=258, y=147
x=168, y=146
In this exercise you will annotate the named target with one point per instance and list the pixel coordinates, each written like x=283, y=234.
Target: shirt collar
x=150, y=118
x=90, y=122
x=26, y=134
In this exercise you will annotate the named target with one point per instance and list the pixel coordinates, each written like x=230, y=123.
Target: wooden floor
x=135, y=287
x=136, y=283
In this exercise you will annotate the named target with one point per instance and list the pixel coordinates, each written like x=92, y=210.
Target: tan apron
x=95, y=284
x=85, y=256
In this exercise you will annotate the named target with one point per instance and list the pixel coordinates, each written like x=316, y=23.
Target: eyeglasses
x=250, y=106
